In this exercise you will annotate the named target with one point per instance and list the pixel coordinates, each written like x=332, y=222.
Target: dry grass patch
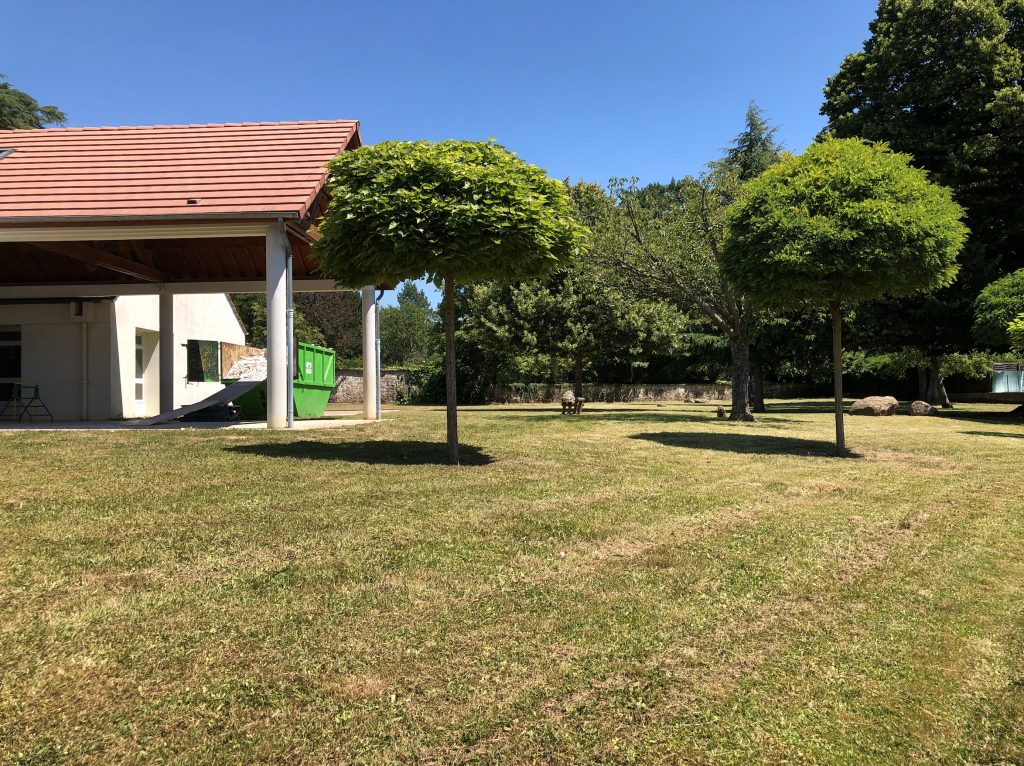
x=639, y=584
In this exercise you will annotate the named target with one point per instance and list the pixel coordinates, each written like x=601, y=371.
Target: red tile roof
x=231, y=171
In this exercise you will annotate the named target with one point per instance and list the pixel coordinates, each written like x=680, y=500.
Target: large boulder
x=922, y=408
x=875, y=405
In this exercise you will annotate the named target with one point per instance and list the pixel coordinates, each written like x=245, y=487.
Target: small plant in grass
x=845, y=222
x=457, y=211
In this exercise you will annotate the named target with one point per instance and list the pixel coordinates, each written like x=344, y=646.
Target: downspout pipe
x=290, y=331
x=85, y=366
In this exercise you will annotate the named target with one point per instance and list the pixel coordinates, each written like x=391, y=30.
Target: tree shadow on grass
x=809, y=406
x=753, y=444
x=666, y=417
x=369, y=452
x=995, y=418
x=994, y=433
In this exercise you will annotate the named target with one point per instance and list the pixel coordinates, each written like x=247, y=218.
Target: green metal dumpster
x=253, y=402
x=314, y=381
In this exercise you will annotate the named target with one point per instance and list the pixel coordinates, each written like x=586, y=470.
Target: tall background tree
x=19, y=111
x=998, y=304
x=663, y=243
x=408, y=331
x=572, y=320
x=339, y=318
x=941, y=80
x=751, y=153
x=457, y=211
x=843, y=223
x=252, y=310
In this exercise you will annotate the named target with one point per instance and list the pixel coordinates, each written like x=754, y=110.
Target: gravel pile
x=249, y=368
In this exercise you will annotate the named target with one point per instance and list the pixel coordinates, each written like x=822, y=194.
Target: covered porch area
x=90, y=216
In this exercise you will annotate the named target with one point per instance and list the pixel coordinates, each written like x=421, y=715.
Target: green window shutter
x=203, y=361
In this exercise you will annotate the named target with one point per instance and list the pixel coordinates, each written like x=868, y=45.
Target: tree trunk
x=740, y=382
x=936, y=388
x=757, y=387
x=498, y=398
x=577, y=386
x=943, y=396
x=922, y=384
x=933, y=380
x=449, y=369
x=837, y=374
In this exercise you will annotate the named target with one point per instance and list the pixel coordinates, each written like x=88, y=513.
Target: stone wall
x=348, y=386
x=656, y=392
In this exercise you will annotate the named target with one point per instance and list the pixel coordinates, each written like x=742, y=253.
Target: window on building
x=10, y=359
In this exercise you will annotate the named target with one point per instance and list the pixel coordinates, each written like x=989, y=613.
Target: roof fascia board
x=128, y=232
x=9, y=292
x=114, y=219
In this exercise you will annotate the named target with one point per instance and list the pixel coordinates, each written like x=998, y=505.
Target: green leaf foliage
x=1015, y=330
x=19, y=111
x=409, y=332
x=755, y=149
x=847, y=221
x=400, y=210
x=252, y=310
x=941, y=80
x=996, y=306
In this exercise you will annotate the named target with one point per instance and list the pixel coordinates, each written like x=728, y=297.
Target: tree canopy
x=457, y=211
x=473, y=210
x=846, y=220
x=19, y=111
x=941, y=80
x=755, y=149
x=998, y=304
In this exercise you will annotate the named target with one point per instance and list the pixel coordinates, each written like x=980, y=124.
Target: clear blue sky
x=585, y=90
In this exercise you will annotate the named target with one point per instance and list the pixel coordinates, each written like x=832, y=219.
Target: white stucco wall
x=51, y=342
x=196, y=317
x=51, y=355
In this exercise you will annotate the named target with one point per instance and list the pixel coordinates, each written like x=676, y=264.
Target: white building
x=97, y=359
x=117, y=246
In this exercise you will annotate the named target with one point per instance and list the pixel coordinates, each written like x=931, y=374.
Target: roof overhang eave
x=264, y=215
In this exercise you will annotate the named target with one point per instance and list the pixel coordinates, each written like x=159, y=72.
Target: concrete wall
x=51, y=348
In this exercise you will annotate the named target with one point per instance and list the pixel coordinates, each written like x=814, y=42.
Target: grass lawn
x=640, y=584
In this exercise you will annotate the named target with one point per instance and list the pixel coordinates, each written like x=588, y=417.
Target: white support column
x=277, y=341
x=166, y=350
x=370, y=381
